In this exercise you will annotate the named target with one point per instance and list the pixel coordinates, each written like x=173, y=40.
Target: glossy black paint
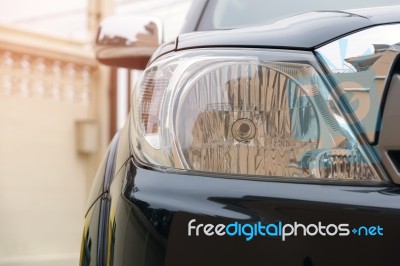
x=153, y=211
x=95, y=235
x=298, y=32
x=389, y=141
x=90, y=241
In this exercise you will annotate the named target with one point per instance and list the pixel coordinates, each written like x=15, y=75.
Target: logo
x=281, y=230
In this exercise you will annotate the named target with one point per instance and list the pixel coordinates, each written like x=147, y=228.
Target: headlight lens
x=252, y=113
x=361, y=64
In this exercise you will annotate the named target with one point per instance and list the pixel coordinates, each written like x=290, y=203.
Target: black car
x=270, y=145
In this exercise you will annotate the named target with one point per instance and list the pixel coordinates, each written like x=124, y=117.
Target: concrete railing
x=44, y=66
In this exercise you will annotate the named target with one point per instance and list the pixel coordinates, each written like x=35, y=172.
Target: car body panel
x=297, y=32
x=150, y=225
x=90, y=238
x=389, y=141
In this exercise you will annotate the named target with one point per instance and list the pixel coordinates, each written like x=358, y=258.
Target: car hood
x=302, y=32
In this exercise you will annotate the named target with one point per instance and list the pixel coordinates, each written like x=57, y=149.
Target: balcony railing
x=39, y=66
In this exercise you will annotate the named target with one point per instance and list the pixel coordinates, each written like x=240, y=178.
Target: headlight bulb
x=243, y=130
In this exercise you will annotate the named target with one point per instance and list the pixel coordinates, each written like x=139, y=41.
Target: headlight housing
x=244, y=112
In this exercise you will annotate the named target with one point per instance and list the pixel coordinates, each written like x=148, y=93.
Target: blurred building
x=58, y=111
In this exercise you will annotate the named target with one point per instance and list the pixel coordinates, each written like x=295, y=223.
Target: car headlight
x=244, y=112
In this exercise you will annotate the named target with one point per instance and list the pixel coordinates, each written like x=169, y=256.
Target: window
x=227, y=14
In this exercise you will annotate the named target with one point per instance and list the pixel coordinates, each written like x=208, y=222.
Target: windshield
x=228, y=14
